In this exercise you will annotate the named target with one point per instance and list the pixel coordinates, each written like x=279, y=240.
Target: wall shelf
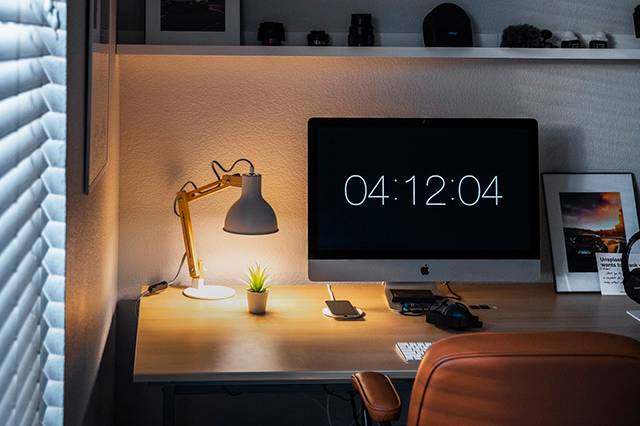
x=386, y=52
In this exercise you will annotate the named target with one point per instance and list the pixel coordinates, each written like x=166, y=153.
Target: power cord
x=350, y=400
x=332, y=393
x=456, y=296
x=160, y=286
x=163, y=285
x=215, y=164
x=416, y=310
x=175, y=200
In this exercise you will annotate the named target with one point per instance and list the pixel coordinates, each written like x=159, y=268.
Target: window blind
x=32, y=210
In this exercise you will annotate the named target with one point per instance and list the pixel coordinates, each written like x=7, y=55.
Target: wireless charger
x=327, y=313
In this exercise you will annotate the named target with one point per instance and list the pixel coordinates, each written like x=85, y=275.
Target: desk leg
x=168, y=406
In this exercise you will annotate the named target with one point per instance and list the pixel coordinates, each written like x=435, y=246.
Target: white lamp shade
x=251, y=214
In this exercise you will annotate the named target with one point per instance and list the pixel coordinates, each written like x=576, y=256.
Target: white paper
x=610, y=272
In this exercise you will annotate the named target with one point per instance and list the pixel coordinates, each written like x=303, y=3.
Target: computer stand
x=415, y=293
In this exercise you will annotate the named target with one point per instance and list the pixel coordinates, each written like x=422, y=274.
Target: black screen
x=423, y=189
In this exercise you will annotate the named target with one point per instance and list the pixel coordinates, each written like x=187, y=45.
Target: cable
x=175, y=200
x=330, y=290
x=230, y=392
x=215, y=163
x=331, y=393
x=159, y=286
x=456, y=296
x=328, y=410
x=175, y=277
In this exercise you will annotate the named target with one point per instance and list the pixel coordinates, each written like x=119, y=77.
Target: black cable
x=329, y=392
x=175, y=277
x=456, y=296
x=416, y=310
x=160, y=286
x=175, y=200
x=215, y=163
x=230, y=392
x=354, y=409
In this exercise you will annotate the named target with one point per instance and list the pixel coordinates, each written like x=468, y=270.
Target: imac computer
x=413, y=201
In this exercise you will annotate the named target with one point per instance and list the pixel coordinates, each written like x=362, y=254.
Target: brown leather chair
x=539, y=379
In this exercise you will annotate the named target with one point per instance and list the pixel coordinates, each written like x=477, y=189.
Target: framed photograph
x=193, y=22
x=587, y=214
x=101, y=50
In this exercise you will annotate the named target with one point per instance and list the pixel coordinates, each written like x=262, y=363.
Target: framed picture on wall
x=587, y=214
x=101, y=50
x=193, y=22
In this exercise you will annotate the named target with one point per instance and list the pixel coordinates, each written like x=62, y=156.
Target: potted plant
x=257, y=289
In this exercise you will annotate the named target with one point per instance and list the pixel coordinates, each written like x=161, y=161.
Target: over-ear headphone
x=631, y=278
x=454, y=316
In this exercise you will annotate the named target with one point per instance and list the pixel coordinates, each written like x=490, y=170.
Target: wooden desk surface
x=185, y=340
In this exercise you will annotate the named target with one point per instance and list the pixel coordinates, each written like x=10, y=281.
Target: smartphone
x=342, y=309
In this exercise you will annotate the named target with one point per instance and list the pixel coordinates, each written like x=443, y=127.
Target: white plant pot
x=257, y=302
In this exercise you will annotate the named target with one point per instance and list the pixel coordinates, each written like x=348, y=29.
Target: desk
x=187, y=341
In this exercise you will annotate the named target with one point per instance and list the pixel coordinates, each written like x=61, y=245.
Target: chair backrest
x=549, y=378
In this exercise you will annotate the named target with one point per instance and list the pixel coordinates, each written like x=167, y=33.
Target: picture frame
x=215, y=22
x=100, y=51
x=587, y=213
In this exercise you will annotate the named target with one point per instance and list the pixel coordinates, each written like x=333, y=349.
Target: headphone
x=631, y=278
x=456, y=316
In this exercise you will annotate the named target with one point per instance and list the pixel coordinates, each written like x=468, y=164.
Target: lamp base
x=209, y=292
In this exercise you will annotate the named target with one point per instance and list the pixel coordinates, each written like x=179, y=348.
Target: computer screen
x=422, y=189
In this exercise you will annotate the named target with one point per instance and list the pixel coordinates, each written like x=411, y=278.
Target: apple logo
x=424, y=270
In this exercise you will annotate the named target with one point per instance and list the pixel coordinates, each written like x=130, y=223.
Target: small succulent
x=257, y=279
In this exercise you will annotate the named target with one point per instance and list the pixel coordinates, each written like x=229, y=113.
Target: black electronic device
x=318, y=38
x=410, y=296
x=342, y=309
x=271, y=33
x=631, y=277
x=407, y=200
x=447, y=25
x=453, y=316
x=524, y=36
x=361, y=30
x=636, y=20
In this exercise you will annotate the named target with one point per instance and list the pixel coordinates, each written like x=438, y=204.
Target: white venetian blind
x=32, y=210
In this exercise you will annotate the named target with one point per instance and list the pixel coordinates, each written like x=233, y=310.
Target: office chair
x=547, y=378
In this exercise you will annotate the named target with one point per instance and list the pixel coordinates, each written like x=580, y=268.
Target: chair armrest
x=378, y=395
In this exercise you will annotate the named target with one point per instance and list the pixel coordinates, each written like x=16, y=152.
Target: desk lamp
x=250, y=215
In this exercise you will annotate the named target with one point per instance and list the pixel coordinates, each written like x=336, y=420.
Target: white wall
x=92, y=250
x=178, y=113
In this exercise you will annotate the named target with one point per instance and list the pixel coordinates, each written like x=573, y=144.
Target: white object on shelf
x=412, y=351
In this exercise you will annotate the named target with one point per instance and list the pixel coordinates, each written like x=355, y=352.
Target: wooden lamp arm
x=183, y=198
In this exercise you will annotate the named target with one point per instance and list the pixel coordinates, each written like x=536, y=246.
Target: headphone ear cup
x=631, y=279
x=632, y=285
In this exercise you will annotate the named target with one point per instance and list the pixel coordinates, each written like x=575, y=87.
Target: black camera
x=271, y=33
x=318, y=38
x=361, y=30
